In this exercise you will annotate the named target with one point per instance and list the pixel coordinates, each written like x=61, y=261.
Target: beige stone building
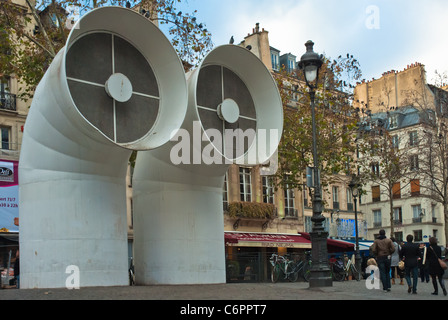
x=395, y=89
x=402, y=102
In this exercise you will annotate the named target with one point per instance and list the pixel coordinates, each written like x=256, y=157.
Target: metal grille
x=91, y=60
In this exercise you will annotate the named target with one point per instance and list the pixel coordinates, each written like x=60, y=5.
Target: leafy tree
x=32, y=34
x=385, y=158
x=335, y=120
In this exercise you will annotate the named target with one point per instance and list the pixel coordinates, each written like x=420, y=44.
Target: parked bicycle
x=341, y=272
x=300, y=268
x=289, y=269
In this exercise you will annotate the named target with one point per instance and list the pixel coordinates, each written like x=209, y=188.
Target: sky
x=382, y=35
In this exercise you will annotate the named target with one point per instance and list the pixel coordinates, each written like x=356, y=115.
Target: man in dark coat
x=411, y=254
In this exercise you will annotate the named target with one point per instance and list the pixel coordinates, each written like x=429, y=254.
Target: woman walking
x=394, y=260
x=433, y=254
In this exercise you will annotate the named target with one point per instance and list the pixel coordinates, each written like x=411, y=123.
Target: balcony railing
x=335, y=205
x=291, y=213
x=7, y=101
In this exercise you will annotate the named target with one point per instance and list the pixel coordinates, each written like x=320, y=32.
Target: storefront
x=248, y=253
x=9, y=218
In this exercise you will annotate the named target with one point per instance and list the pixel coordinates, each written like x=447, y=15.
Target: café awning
x=333, y=245
x=300, y=240
x=273, y=240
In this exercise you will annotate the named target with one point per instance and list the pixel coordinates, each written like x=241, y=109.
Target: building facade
x=291, y=207
x=404, y=105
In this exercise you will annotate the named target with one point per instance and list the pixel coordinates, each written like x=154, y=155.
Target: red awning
x=252, y=239
x=334, y=245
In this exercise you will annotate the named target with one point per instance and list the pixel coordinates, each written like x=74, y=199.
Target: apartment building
x=251, y=239
x=403, y=105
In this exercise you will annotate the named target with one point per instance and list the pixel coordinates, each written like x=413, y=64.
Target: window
x=335, y=197
x=415, y=187
x=376, y=194
x=289, y=202
x=275, y=58
x=291, y=64
x=395, y=142
x=306, y=202
x=414, y=162
x=398, y=236
x=375, y=168
x=268, y=190
x=349, y=200
x=418, y=235
x=376, y=218
x=413, y=138
x=245, y=184
x=225, y=199
x=416, y=213
x=393, y=121
x=398, y=217
x=54, y=20
x=5, y=132
x=309, y=224
x=396, y=191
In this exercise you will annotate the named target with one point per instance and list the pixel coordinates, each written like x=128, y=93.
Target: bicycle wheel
x=306, y=271
x=293, y=275
x=275, y=273
x=338, y=275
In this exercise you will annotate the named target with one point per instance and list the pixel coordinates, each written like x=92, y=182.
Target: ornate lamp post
x=310, y=63
x=354, y=188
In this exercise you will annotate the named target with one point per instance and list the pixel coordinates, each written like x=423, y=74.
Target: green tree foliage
x=31, y=33
x=336, y=122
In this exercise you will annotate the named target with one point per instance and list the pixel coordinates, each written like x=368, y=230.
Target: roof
x=404, y=116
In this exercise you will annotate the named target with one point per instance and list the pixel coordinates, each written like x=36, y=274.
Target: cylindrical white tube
x=73, y=216
x=178, y=188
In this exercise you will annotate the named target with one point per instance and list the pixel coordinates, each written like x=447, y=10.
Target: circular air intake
x=236, y=96
x=113, y=86
x=224, y=102
x=126, y=84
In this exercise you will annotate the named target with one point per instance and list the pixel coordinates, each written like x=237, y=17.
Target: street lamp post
x=354, y=188
x=320, y=276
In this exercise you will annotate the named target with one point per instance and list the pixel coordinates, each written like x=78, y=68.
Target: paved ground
x=227, y=301
x=347, y=290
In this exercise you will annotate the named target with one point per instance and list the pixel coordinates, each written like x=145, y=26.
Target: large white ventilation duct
x=117, y=86
x=178, y=188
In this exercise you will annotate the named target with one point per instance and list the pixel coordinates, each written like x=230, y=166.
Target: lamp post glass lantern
x=354, y=188
x=310, y=64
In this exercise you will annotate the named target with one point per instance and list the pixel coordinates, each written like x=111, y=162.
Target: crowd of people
x=408, y=261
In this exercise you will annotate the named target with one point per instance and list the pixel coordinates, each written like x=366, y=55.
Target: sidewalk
x=347, y=290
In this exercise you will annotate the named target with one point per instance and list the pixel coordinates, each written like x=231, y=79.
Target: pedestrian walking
x=422, y=265
x=410, y=254
x=394, y=260
x=383, y=248
x=436, y=272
